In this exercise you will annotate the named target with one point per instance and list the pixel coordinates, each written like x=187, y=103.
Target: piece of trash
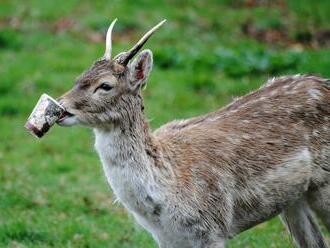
x=44, y=115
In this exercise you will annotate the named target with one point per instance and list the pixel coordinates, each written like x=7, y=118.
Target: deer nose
x=60, y=100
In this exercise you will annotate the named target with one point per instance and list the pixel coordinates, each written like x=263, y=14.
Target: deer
x=198, y=182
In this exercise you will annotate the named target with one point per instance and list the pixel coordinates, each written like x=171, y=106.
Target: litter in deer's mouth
x=44, y=115
x=64, y=115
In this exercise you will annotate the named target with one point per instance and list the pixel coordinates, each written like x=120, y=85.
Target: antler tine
x=124, y=58
x=108, y=42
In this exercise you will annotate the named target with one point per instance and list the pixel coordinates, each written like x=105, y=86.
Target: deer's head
x=109, y=91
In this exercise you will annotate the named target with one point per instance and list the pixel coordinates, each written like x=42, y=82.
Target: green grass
x=53, y=192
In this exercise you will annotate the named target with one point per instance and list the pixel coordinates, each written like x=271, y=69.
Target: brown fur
x=198, y=182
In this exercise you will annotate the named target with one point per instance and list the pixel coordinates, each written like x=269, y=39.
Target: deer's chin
x=68, y=120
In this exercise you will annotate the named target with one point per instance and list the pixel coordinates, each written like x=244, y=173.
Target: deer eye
x=104, y=86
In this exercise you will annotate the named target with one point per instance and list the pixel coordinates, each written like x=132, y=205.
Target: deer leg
x=319, y=200
x=300, y=223
x=194, y=243
x=218, y=244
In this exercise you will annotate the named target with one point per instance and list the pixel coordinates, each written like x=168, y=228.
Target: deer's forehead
x=96, y=73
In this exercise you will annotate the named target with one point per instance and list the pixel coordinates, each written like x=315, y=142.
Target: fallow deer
x=199, y=182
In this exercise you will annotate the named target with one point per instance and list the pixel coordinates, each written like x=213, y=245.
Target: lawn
x=52, y=191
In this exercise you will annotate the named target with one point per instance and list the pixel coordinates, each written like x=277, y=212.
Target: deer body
x=217, y=175
x=198, y=182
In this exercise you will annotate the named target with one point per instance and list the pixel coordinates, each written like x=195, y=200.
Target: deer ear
x=140, y=69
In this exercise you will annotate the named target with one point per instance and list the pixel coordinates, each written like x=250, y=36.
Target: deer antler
x=124, y=58
x=108, y=43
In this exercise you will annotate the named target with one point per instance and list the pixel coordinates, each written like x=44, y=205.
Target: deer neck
x=125, y=144
x=127, y=155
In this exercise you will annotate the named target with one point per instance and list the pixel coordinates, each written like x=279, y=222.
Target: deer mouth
x=66, y=114
x=66, y=119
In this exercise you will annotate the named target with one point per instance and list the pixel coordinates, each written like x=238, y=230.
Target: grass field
x=52, y=191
